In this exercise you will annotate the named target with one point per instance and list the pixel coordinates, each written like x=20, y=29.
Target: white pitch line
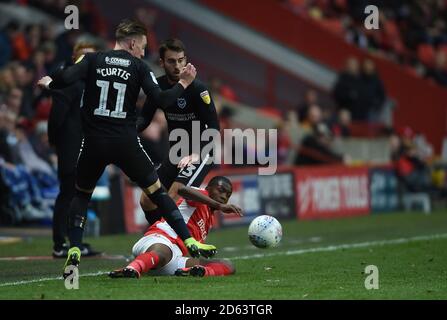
x=341, y=247
x=273, y=254
x=93, y=274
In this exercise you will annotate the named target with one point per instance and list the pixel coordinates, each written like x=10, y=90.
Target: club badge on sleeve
x=205, y=95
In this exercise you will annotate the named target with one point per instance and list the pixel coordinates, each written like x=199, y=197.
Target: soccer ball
x=265, y=232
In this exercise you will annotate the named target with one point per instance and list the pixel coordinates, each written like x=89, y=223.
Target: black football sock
x=170, y=212
x=152, y=216
x=78, y=217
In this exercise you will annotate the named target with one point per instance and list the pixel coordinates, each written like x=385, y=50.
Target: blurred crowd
x=28, y=51
x=411, y=32
x=28, y=165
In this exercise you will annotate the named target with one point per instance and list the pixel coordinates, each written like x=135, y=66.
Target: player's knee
x=162, y=200
x=163, y=260
x=152, y=184
x=163, y=252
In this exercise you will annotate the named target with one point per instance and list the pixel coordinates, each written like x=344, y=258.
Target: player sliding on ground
x=161, y=252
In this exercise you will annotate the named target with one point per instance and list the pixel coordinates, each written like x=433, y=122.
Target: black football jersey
x=194, y=104
x=113, y=80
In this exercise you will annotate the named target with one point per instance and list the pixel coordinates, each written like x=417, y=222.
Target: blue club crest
x=181, y=103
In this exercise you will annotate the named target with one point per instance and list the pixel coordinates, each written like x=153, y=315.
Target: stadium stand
x=293, y=85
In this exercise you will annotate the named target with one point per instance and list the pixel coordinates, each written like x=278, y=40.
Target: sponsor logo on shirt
x=117, y=61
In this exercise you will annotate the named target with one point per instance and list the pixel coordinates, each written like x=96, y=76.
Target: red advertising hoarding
x=330, y=192
x=305, y=193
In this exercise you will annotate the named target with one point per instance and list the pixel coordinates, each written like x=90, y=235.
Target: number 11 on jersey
x=101, y=110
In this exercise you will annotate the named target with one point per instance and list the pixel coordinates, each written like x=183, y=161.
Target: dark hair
x=215, y=181
x=171, y=44
x=128, y=28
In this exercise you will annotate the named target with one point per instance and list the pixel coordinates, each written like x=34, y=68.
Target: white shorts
x=177, y=261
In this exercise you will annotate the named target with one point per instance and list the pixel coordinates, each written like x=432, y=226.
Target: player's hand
x=44, y=82
x=186, y=161
x=231, y=208
x=187, y=75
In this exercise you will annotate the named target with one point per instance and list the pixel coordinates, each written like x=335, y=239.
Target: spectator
x=347, y=90
x=8, y=139
x=405, y=26
x=355, y=34
x=14, y=100
x=7, y=81
x=373, y=93
x=310, y=98
x=6, y=42
x=313, y=118
x=41, y=145
x=316, y=148
x=439, y=72
x=33, y=35
x=24, y=75
x=149, y=17
x=412, y=171
x=284, y=144
x=29, y=157
x=341, y=128
x=218, y=88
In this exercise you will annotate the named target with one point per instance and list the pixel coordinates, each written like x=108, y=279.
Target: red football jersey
x=198, y=218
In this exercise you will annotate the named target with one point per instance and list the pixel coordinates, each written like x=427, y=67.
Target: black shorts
x=124, y=152
x=191, y=176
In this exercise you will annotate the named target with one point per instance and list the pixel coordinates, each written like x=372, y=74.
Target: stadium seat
x=334, y=26
x=419, y=200
x=426, y=54
x=366, y=129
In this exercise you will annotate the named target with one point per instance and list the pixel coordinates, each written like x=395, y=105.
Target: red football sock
x=217, y=269
x=144, y=262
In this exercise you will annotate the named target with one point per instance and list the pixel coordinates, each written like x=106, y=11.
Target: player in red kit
x=161, y=252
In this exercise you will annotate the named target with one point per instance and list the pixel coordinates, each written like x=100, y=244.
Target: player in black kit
x=112, y=83
x=65, y=134
x=195, y=104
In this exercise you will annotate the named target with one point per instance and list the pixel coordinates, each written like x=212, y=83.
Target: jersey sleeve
x=161, y=99
x=205, y=107
x=147, y=114
x=76, y=72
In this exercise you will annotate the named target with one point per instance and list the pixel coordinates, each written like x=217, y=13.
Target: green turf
x=407, y=270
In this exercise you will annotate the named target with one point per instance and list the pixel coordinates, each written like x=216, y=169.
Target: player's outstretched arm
x=195, y=195
x=66, y=77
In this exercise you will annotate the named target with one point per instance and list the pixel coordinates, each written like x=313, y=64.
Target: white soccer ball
x=265, y=232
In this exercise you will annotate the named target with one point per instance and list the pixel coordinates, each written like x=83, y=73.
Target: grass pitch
x=315, y=260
